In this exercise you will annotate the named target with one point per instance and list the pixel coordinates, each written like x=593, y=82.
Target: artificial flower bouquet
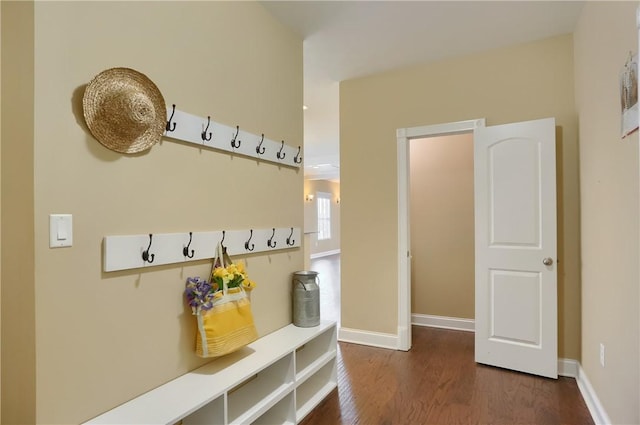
x=202, y=294
x=222, y=307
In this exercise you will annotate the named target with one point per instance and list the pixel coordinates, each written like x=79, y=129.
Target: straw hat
x=124, y=110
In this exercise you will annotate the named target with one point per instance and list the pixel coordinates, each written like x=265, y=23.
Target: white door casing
x=515, y=229
x=404, y=135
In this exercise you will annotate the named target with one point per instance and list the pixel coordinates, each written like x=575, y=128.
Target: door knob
x=547, y=261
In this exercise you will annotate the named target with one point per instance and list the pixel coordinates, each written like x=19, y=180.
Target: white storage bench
x=277, y=379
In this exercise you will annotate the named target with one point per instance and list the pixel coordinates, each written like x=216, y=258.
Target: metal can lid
x=306, y=273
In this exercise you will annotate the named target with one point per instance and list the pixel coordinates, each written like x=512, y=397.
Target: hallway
x=328, y=269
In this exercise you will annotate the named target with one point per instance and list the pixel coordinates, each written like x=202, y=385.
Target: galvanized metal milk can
x=306, y=299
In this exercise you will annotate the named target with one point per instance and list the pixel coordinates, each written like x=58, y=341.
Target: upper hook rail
x=145, y=254
x=271, y=243
x=205, y=137
x=246, y=244
x=260, y=149
x=185, y=250
x=169, y=127
x=235, y=143
x=204, y=131
x=281, y=154
x=290, y=240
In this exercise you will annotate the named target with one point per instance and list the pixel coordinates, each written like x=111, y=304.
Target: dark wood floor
x=438, y=382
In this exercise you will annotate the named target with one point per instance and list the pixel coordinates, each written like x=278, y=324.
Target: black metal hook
x=145, y=254
x=234, y=142
x=290, y=241
x=168, y=127
x=260, y=149
x=224, y=234
x=204, y=136
x=246, y=244
x=281, y=154
x=297, y=159
x=271, y=243
x=185, y=250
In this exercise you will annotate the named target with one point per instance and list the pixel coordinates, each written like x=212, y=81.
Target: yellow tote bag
x=228, y=325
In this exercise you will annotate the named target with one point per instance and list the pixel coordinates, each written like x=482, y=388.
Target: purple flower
x=199, y=294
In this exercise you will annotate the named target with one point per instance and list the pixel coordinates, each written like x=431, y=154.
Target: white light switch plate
x=60, y=230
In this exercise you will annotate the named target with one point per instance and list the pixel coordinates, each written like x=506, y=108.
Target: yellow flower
x=240, y=268
x=217, y=295
x=220, y=272
x=248, y=284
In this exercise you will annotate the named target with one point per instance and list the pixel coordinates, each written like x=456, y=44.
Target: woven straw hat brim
x=124, y=110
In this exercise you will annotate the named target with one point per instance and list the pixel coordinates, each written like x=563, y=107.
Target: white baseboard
x=443, y=322
x=591, y=399
x=374, y=339
x=568, y=367
x=324, y=254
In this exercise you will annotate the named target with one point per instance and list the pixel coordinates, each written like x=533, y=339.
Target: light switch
x=60, y=230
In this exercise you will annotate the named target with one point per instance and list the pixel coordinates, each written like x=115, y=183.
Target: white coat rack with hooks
x=205, y=132
x=155, y=249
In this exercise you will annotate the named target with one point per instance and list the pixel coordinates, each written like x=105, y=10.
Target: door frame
x=404, y=136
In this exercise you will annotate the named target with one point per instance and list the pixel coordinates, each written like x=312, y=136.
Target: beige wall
x=18, y=342
x=605, y=34
x=103, y=338
x=519, y=83
x=0, y=216
x=313, y=187
x=442, y=226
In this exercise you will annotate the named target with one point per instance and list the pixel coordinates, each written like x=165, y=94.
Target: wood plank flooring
x=438, y=382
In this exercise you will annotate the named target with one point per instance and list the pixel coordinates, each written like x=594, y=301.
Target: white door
x=515, y=219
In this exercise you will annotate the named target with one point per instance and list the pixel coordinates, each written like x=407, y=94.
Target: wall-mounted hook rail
x=246, y=244
x=122, y=252
x=189, y=128
x=281, y=154
x=235, y=142
x=297, y=159
x=146, y=256
x=171, y=126
x=271, y=243
x=260, y=149
x=290, y=240
x=206, y=137
x=185, y=250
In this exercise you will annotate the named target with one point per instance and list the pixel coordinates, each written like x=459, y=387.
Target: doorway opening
x=441, y=197
x=322, y=231
x=404, y=136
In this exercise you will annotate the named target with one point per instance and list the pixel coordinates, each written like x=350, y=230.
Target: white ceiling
x=350, y=39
